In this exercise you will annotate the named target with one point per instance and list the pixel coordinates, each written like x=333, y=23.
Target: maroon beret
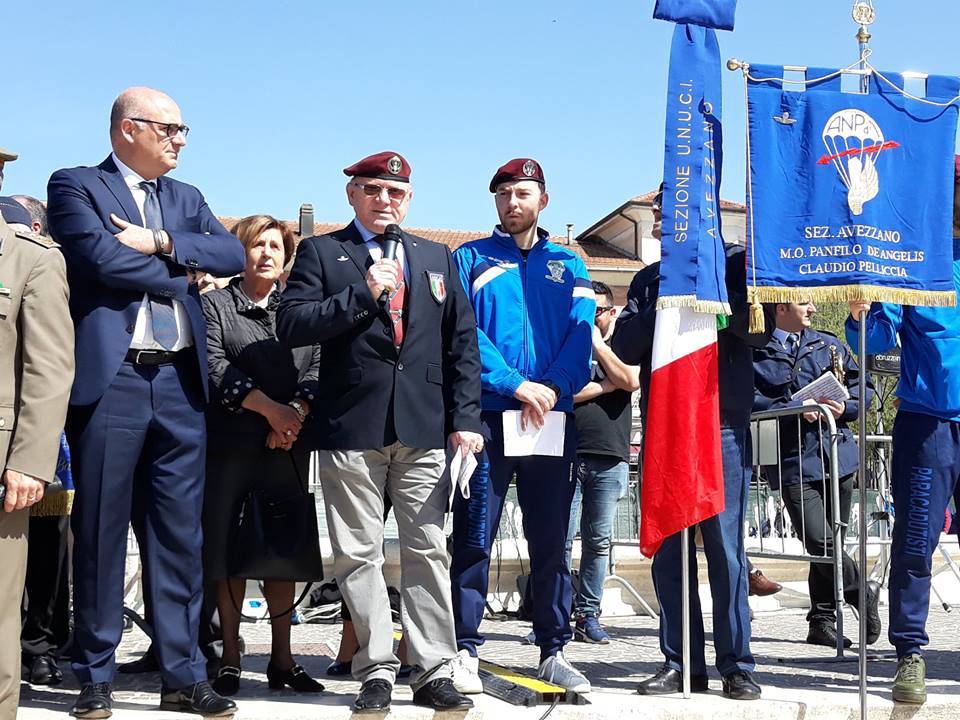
x=956, y=168
x=384, y=165
x=518, y=169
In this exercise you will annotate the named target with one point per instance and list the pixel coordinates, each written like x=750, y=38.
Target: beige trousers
x=13, y=571
x=354, y=483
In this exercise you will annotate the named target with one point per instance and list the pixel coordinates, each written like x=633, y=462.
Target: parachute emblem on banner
x=854, y=140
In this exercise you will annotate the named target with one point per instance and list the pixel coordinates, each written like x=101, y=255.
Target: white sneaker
x=557, y=671
x=466, y=673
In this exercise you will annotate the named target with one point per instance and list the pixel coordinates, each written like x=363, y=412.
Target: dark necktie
x=792, y=344
x=164, y=318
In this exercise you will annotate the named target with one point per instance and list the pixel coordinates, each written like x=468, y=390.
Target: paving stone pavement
x=791, y=688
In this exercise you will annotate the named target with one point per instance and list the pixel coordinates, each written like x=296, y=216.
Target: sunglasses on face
x=374, y=190
x=169, y=130
x=601, y=310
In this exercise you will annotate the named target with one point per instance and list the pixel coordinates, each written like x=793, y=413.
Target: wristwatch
x=554, y=387
x=298, y=406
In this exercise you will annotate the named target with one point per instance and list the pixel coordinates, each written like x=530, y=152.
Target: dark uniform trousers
x=46, y=614
x=544, y=490
x=926, y=468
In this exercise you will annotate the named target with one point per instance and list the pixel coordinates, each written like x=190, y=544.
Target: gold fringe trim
x=841, y=293
x=848, y=293
x=712, y=307
x=757, y=323
x=59, y=504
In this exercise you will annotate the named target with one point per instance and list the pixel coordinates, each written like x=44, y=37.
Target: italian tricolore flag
x=682, y=467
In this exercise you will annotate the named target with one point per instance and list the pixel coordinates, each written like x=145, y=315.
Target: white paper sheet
x=825, y=386
x=460, y=469
x=547, y=440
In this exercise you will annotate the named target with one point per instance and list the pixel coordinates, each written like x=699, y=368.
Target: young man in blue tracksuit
x=534, y=305
x=926, y=455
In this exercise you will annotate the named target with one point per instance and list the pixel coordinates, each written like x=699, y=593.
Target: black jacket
x=632, y=339
x=778, y=374
x=371, y=394
x=243, y=353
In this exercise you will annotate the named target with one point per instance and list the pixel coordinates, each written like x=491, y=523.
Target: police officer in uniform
x=795, y=356
x=36, y=370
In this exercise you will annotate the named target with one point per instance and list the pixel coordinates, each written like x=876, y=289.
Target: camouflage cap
x=7, y=156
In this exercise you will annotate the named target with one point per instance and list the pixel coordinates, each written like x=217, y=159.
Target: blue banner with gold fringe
x=850, y=195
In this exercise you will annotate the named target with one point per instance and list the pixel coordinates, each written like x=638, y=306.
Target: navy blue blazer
x=777, y=375
x=108, y=279
x=423, y=393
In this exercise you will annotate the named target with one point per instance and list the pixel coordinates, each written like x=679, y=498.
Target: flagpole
x=685, y=607
x=863, y=14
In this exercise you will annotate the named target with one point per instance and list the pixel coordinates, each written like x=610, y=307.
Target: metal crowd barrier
x=771, y=534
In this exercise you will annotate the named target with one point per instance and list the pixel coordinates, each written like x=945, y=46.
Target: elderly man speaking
x=400, y=378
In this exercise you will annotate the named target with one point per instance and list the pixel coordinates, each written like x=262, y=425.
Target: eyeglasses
x=374, y=190
x=601, y=310
x=170, y=130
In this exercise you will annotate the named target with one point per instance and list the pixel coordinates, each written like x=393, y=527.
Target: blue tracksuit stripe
x=518, y=303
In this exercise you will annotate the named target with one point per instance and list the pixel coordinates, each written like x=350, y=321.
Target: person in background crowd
x=400, y=370
x=796, y=356
x=535, y=308
x=38, y=213
x=723, y=534
x=926, y=455
x=133, y=239
x=36, y=369
x=261, y=394
x=46, y=606
x=604, y=415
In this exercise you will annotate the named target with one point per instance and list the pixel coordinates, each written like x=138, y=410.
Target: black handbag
x=276, y=536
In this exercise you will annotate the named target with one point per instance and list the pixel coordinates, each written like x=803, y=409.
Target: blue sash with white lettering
x=850, y=195
x=692, y=265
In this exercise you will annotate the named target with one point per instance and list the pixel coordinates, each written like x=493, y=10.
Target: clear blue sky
x=280, y=96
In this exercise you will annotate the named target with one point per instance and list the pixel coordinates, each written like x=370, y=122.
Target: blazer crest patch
x=438, y=286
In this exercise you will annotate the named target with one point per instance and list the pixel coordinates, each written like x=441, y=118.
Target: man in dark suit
x=134, y=241
x=401, y=379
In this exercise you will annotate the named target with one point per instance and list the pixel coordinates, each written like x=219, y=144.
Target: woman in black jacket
x=260, y=396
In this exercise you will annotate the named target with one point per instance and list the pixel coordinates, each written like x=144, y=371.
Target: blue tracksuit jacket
x=534, y=316
x=929, y=350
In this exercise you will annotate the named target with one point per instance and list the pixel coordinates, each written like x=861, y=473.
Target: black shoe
x=296, y=677
x=404, y=672
x=669, y=680
x=740, y=685
x=874, y=626
x=374, y=696
x=145, y=664
x=198, y=698
x=227, y=681
x=95, y=701
x=823, y=632
x=339, y=668
x=440, y=694
x=44, y=671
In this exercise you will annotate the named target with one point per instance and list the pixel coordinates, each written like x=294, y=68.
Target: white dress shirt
x=143, y=330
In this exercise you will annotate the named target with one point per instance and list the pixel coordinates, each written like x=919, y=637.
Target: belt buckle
x=136, y=359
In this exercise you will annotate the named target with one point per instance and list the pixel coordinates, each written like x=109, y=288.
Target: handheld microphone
x=391, y=238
